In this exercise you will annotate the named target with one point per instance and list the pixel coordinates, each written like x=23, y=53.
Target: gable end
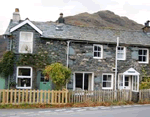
x=26, y=22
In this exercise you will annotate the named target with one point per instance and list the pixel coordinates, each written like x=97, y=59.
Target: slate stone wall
x=81, y=57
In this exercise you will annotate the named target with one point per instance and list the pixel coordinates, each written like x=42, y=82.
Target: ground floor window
x=83, y=81
x=107, y=81
x=24, y=77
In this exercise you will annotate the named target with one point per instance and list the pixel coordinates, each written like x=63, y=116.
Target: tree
x=58, y=73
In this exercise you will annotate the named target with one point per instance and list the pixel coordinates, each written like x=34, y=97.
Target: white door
x=127, y=80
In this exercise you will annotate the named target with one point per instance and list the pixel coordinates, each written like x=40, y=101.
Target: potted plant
x=12, y=85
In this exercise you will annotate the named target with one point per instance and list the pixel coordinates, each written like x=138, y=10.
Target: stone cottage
x=90, y=53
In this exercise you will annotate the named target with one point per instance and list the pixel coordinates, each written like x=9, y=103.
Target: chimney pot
x=16, y=10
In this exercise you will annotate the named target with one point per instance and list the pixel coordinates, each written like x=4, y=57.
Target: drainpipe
x=116, y=64
x=68, y=43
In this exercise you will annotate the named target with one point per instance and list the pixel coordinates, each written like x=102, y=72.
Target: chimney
x=61, y=19
x=16, y=15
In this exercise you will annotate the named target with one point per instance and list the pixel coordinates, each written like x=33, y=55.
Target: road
x=113, y=111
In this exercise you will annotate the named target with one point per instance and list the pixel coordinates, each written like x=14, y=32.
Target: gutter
x=116, y=63
x=68, y=44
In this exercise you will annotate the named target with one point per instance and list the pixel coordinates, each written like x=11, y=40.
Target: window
x=26, y=42
x=83, y=81
x=143, y=55
x=98, y=51
x=121, y=53
x=135, y=85
x=107, y=81
x=24, y=77
x=127, y=81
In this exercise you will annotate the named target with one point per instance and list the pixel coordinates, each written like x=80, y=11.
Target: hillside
x=3, y=45
x=106, y=19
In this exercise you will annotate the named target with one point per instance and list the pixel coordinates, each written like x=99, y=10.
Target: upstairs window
x=26, y=42
x=98, y=51
x=143, y=55
x=121, y=53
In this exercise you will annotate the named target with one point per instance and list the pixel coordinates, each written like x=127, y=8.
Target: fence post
x=19, y=97
x=3, y=96
x=140, y=95
x=52, y=97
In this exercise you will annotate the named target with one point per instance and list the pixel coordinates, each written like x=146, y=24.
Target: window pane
x=144, y=58
x=25, y=47
x=95, y=48
x=140, y=52
x=24, y=72
x=109, y=78
x=104, y=84
x=126, y=83
x=95, y=54
x=98, y=54
x=99, y=48
x=42, y=79
x=140, y=58
x=126, y=79
x=26, y=37
x=107, y=84
x=79, y=80
x=144, y=52
x=24, y=82
x=104, y=77
x=120, y=55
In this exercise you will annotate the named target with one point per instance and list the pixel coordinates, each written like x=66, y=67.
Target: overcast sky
x=48, y=10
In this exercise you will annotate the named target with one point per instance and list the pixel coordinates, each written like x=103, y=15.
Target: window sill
x=106, y=88
x=121, y=59
x=23, y=87
x=97, y=58
x=143, y=62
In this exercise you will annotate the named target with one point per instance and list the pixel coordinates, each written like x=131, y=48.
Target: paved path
x=101, y=111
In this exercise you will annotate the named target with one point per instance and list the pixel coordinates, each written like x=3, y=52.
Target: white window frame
x=26, y=41
x=136, y=82
x=112, y=76
x=147, y=60
x=124, y=53
x=74, y=81
x=31, y=72
x=101, y=46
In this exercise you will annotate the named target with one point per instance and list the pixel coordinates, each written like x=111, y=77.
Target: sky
x=49, y=10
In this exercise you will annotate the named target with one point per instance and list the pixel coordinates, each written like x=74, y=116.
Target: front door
x=127, y=82
x=45, y=84
x=2, y=82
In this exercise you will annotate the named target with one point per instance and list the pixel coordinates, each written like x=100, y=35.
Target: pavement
x=100, y=111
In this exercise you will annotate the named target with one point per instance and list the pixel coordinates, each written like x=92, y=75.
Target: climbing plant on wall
x=145, y=83
x=7, y=64
x=38, y=60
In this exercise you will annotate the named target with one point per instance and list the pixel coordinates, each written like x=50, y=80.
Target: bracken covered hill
x=105, y=19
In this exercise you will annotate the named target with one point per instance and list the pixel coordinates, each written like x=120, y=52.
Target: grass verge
x=84, y=104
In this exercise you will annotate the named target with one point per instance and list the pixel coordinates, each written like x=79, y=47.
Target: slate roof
x=99, y=35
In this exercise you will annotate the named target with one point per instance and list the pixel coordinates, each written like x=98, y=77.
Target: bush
x=59, y=74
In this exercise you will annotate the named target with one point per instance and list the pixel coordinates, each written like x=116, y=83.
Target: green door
x=45, y=84
x=2, y=82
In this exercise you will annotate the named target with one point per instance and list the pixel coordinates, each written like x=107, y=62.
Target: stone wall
x=81, y=57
